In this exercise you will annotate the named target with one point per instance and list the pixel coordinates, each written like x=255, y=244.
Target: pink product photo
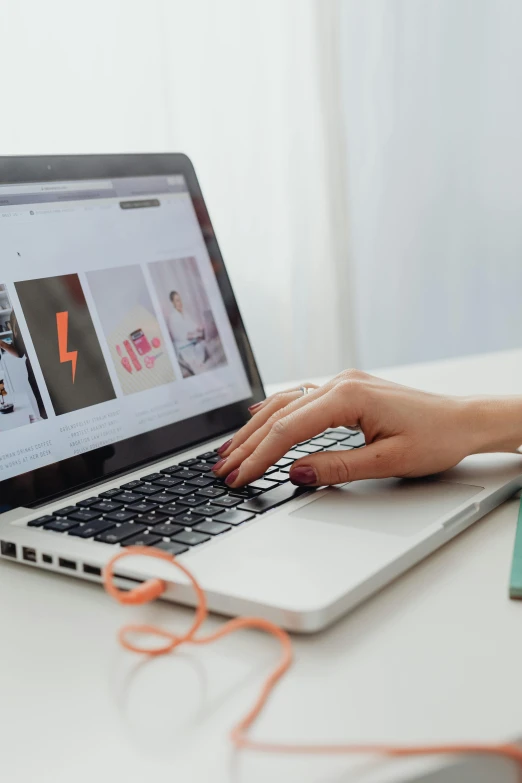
x=140, y=341
x=156, y=342
x=132, y=353
x=124, y=360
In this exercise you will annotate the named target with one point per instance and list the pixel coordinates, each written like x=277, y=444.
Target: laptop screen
x=113, y=324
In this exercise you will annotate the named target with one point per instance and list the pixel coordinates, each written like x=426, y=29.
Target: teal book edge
x=515, y=580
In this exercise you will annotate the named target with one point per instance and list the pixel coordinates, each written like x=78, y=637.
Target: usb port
x=29, y=554
x=63, y=563
x=47, y=558
x=8, y=549
x=93, y=570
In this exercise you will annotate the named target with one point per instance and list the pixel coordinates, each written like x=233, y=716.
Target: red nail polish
x=224, y=447
x=253, y=408
x=232, y=477
x=303, y=475
x=218, y=465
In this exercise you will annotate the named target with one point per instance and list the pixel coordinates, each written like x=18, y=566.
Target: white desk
x=436, y=656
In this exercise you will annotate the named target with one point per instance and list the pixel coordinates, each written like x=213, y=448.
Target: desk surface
x=435, y=656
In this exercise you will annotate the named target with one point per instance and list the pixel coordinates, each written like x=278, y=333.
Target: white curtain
x=433, y=117
x=242, y=87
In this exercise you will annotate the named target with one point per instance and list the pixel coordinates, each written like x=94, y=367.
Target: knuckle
x=337, y=472
x=280, y=427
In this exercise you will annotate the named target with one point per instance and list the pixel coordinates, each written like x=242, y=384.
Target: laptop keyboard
x=185, y=505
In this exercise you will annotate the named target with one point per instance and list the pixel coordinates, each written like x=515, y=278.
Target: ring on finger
x=304, y=390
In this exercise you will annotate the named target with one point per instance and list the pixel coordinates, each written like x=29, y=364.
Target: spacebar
x=272, y=498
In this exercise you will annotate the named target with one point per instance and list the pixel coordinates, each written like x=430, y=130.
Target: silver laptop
x=115, y=393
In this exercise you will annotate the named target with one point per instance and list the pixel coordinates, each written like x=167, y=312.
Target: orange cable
x=154, y=588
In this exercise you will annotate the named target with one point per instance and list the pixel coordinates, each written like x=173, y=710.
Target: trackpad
x=397, y=507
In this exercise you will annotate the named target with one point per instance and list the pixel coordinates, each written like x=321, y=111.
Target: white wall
x=434, y=138
x=235, y=85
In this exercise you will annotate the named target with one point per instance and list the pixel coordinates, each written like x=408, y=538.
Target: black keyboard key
x=279, y=476
x=187, y=520
x=167, y=530
x=60, y=525
x=185, y=474
x=208, y=455
x=201, y=481
x=152, y=477
x=190, y=539
x=171, y=469
x=213, y=528
x=211, y=492
x=119, y=534
x=167, y=482
x=40, y=521
x=234, y=517
x=142, y=539
x=209, y=510
x=202, y=467
x=172, y=509
x=188, y=462
x=263, y=484
x=64, y=512
x=147, y=489
x=228, y=501
x=88, y=502
x=110, y=493
x=309, y=448
x=273, y=498
x=84, y=515
x=191, y=501
x=104, y=506
x=132, y=484
x=153, y=519
x=128, y=497
x=172, y=547
x=183, y=489
x=143, y=507
x=245, y=492
x=162, y=498
x=121, y=516
x=91, y=529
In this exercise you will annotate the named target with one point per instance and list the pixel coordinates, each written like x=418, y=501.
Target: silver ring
x=304, y=390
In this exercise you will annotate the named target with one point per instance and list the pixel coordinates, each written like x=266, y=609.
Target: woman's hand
x=408, y=432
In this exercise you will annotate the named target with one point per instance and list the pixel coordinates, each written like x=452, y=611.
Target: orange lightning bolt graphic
x=62, y=325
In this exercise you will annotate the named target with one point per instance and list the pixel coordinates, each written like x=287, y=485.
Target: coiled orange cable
x=154, y=588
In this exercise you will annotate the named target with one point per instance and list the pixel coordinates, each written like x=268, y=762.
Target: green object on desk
x=515, y=580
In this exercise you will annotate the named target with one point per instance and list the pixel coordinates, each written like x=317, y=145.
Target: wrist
x=494, y=423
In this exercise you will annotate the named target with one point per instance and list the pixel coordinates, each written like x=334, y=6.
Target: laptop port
x=70, y=564
x=29, y=554
x=8, y=549
x=47, y=558
x=93, y=570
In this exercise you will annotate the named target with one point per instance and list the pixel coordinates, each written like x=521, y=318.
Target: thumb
x=378, y=460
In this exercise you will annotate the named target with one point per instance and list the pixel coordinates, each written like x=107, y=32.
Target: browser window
x=112, y=323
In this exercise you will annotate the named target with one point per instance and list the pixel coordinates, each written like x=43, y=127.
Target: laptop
x=108, y=435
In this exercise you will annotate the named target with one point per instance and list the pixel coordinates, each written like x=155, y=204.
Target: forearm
x=496, y=423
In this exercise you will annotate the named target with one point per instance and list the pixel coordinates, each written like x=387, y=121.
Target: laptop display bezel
x=62, y=478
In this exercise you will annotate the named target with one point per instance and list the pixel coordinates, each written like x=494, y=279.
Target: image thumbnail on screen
x=188, y=314
x=131, y=328
x=65, y=342
x=20, y=398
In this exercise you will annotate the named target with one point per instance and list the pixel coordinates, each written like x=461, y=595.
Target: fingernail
x=219, y=465
x=255, y=407
x=224, y=447
x=232, y=477
x=303, y=475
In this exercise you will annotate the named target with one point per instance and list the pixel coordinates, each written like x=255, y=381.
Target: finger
x=380, y=459
x=235, y=457
x=277, y=402
x=259, y=405
x=325, y=410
